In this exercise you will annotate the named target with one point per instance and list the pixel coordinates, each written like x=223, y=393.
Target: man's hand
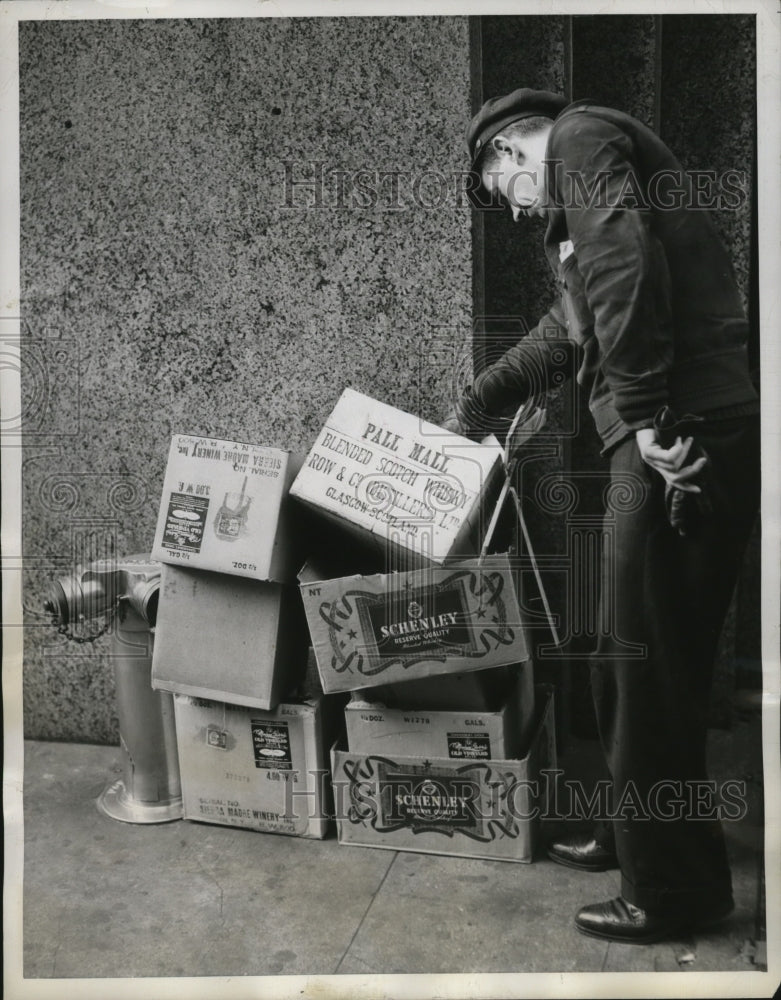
x=453, y=424
x=687, y=497
x=670, y=462
x=467, y=417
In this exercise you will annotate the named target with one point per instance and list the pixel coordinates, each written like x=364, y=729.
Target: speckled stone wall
x=613, y=62
x=708, y=101
x=174, y=281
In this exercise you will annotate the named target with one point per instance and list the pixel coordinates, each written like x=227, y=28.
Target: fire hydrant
x=126, y=591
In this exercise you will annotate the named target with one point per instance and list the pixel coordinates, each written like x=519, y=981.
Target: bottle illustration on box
x=231, y=520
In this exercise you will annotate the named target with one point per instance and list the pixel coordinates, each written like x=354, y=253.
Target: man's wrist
x=645, y=437
x=469, y=411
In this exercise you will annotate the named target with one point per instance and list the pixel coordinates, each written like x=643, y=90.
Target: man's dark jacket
x=648, y=303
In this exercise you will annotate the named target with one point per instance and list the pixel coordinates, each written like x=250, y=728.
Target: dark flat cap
x=499, y=112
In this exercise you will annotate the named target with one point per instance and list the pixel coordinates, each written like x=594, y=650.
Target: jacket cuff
x=471, y=416
x=500, y=390
x=638, y=399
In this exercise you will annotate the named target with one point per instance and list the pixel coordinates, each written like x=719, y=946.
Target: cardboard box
x=473, y=809
x=224, y=509
x=416, y=490
x=372, y=728
x=265, y=771
x=387, y=628
x=228, y=638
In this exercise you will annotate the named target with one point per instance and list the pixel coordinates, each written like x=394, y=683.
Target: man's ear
x=501, y=145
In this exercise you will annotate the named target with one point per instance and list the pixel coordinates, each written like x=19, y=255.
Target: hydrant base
x=116, y=803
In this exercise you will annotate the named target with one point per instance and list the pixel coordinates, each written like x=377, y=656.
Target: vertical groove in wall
x=753, y=267
x=569, y=405
x=568, y=74
x=478, y=221
x=748, y=633
x=658, y=42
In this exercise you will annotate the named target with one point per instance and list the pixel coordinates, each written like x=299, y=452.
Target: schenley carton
x=484, y=808
x=414, y=490
x=228, y=638
x=264, y=771
x=372, y=728
x=224, y=509
x=375, y=630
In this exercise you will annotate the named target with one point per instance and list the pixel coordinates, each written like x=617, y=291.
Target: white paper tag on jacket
x=566, y=249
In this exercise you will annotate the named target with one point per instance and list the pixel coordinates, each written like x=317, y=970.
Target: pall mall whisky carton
x=412, y=490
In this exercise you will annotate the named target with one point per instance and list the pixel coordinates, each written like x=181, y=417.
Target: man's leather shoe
x=620, y=920
x=582, y=851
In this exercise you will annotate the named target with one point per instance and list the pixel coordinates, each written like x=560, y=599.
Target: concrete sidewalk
x=107, y=899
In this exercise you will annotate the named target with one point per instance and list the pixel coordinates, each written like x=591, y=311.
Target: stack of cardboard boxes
x=410, y=612
x=430, y=643
x=230, y=639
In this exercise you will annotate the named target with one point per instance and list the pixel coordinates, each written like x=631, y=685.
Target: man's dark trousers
x=669, y=595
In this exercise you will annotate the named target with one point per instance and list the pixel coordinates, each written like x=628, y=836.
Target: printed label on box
x=421, y=620
x=469, y=746
x=418, y=798
x=216, y=738
x=271, y=744
x=476, y=800
x=433, y=622
x=233, y=813
x=231, y=520
x=185, y=522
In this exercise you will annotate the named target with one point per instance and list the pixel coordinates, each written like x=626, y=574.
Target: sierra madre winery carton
x=228, y=638
x=436, y=805
x=223, y=509
x=265, y=771
x=382, y=629
x=414, y=490
x=471, y=735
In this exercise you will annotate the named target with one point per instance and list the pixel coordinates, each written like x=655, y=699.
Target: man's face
x=517, y=172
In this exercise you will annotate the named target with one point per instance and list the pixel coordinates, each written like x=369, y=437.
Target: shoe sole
x=645, y=939
x=605, y=866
